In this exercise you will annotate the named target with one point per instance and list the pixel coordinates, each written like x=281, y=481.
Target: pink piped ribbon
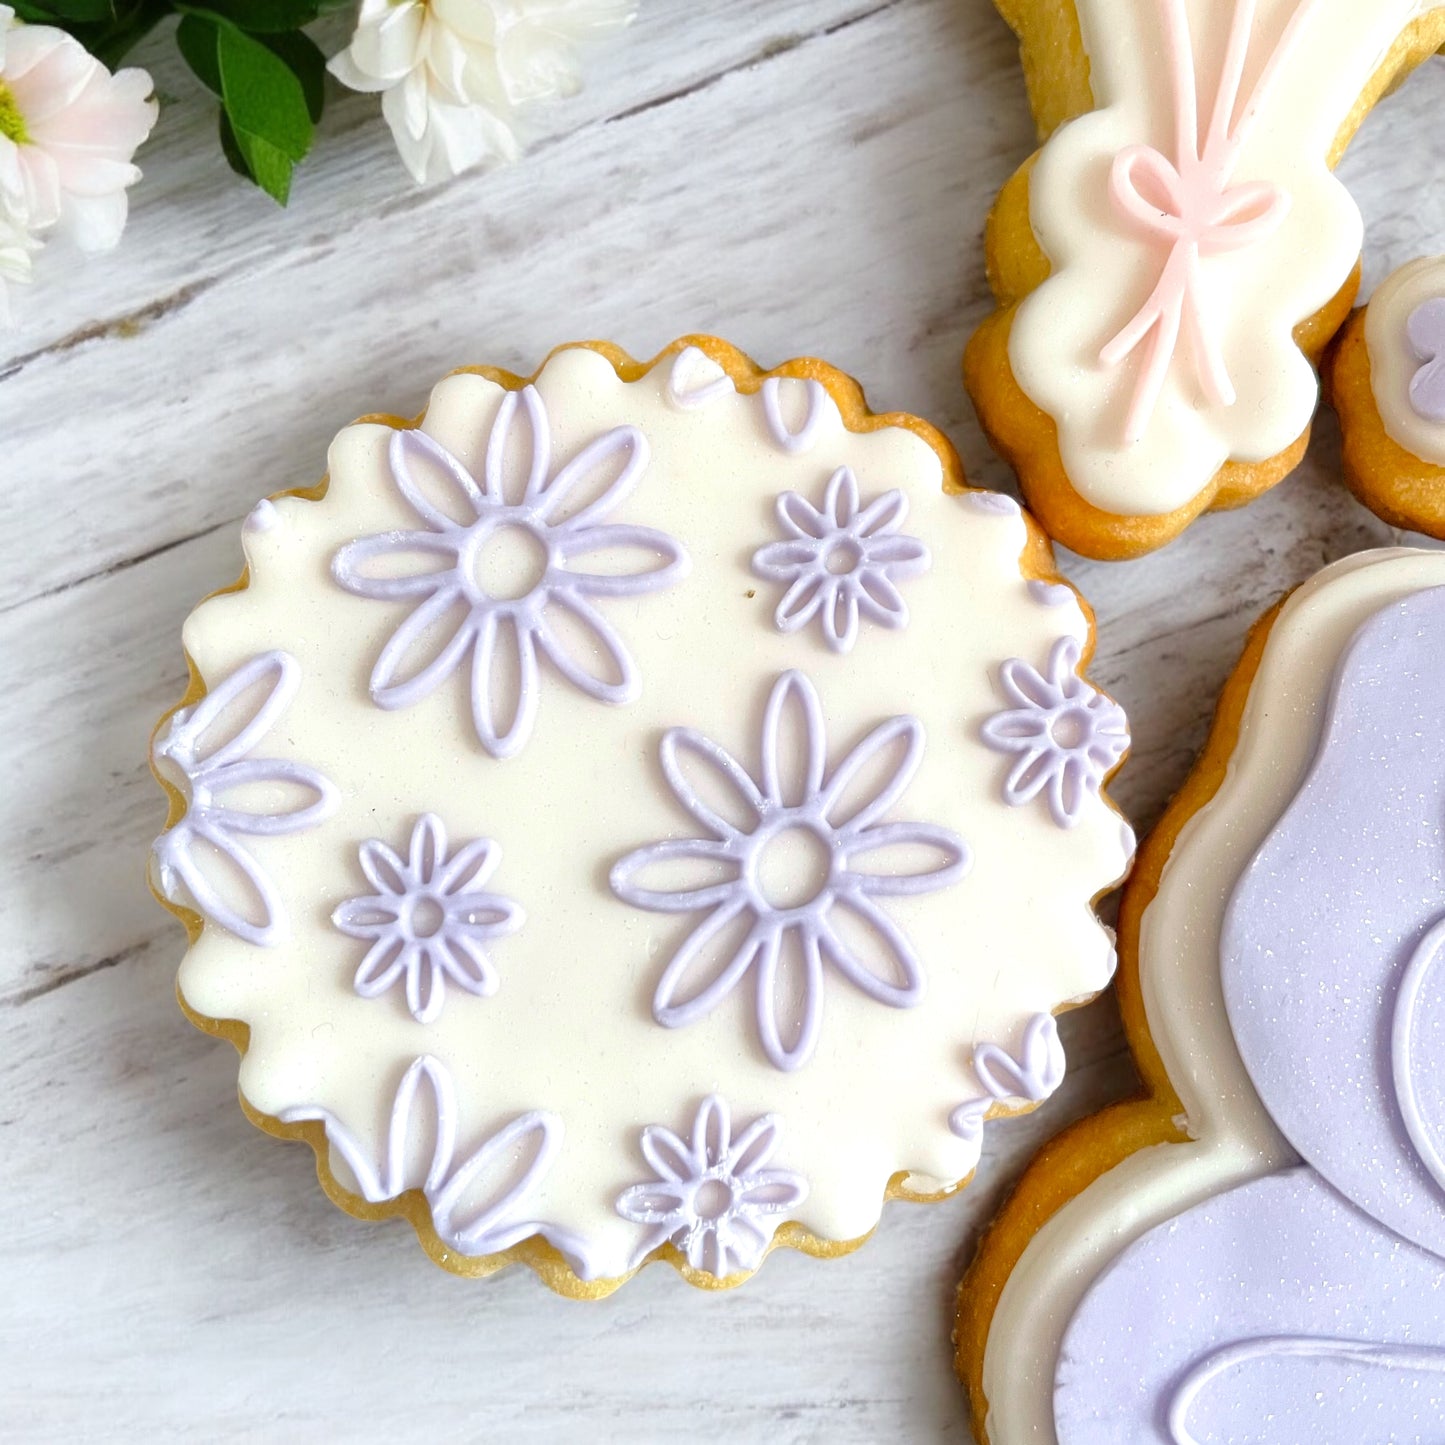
x=1190, y=204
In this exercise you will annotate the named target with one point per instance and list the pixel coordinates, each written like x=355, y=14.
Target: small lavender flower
x=715, y=1197
x=429, y=919
x=842, y=562
x=1066, y=735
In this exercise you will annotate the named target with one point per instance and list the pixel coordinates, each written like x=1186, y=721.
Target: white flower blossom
x=453, y=73
x=68, y=130
x=17, y=246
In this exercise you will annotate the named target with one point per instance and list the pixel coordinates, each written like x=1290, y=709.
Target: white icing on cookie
x=1191, y=223
x=948, y=917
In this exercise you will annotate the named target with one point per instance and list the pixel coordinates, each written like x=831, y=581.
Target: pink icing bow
x=1191, y=204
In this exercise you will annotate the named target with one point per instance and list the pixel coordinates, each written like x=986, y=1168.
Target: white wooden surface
x=800, y=176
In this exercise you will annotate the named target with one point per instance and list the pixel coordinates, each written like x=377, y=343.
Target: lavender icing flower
x=841, y=562
x=476, y=1203
x=429, y=919
x=784, y=926
x=1034, y=1073
x=1066, y=734
x=715, y=1197
x=517, y=578
x=202, y=859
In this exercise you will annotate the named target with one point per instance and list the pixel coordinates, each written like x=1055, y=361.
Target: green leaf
x=83, y=12
x=197, y=40
x=305, y=61
x=263, y=98
x=258, y=16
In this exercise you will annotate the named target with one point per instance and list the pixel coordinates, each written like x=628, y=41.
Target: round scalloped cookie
x=1250, y=1250
x=1386, y=378
x=647, y=811
x=1171, y=263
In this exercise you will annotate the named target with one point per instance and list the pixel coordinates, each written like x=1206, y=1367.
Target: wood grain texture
x=800, y=176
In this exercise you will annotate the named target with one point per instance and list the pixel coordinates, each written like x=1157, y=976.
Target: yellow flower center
x=12, y=123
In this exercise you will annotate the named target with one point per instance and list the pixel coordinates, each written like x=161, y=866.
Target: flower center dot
x=426, y=918
x=1070, y=729
x=793, y=867
x=842, y=557
x=509, y=563
x=12, y=123
x=712, y=1200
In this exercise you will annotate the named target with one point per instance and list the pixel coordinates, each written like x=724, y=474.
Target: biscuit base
x=1394, y=483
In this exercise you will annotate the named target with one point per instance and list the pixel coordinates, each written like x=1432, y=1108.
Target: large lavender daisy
x=831, y=912
x=504, y=584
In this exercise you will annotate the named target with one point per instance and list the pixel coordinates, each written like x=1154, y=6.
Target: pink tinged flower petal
x=753, y=1148
x=801, y=602
x=663, y=560
x=252, y=914
x=773, y=1191
x=413, y=636
x=367, y=916
x=351, y=566
x=491, y=1226
x=413, y=454
x=573, y=634
x=428, y=847
x=383, y=964
x=782, y=561
x=384, y=869
x=668, y=1155
x=95, y=223
x=714, y=861
x=653, y=1204
x=712, y=1131
x=840, y=498
x=883, y=789
x=727, y=780
x=840, y=617
x=898, y=556
x=799, y=517
x=790, y=996
x=425, y=983
x=882, y=516
x=794, y=741
x=317, y=801
x=868, y=861
x=894, y=974
x=468, y=869
x=189, y=738
x=504, y=723
x=672, y=1012
x=536, y=453
x=588, y=470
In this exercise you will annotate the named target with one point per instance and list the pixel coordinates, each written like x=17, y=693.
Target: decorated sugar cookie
x=1253, y=1249
x=1386, y=378
x=1175, y=257
x=648, y=811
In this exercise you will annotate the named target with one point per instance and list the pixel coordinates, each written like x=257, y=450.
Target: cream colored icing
x=1393, y=363
x=569, y=1028
x=1104, y=265
x=1232, y=1138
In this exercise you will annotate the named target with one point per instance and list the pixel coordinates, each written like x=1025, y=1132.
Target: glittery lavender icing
x=743, y=929
x=1032, y=1074
x=557, y=519
x=716, y=1196
x=1275, y=1313
x=842, y=561
x=1425, y=332
x=816, y=408
x=1328, y=923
